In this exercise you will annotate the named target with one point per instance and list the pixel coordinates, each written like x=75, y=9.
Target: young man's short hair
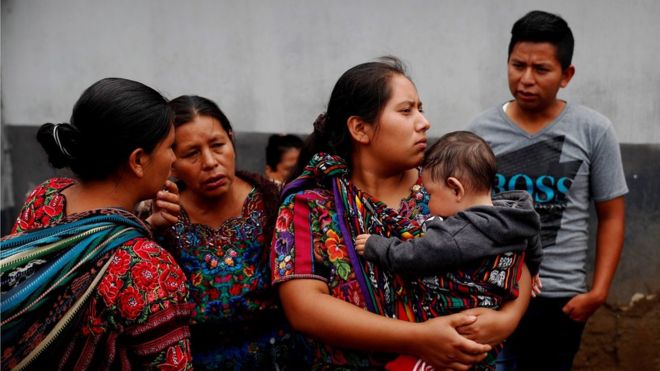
x=539, y=26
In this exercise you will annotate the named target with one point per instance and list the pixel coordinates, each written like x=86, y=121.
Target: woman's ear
x=136, y=162
x=359, y=130
x=457, y=187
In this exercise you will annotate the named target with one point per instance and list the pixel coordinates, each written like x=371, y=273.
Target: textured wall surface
x=271, y=64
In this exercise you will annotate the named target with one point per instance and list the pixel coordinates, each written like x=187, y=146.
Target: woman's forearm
x=312, y=311
x=494, y=326
x=515, y=309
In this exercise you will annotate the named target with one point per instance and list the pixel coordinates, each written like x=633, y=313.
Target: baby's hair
x=464, y=156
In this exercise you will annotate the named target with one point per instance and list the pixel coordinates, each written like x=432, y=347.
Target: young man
x=565, y=155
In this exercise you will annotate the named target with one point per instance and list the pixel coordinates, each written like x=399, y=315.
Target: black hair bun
x=59, y=141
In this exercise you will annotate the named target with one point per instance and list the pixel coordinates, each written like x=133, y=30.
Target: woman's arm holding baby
x=494, y=326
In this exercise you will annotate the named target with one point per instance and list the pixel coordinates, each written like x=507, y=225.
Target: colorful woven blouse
x=309, y=243
x=138, y=315
x=237, y=322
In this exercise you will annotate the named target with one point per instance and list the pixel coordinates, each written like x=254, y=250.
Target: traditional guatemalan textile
x=471, y=259
x=237, y=321
x=320, y=208
x=89, y=291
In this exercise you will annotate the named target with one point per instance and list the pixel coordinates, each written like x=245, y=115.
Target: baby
x=473, y=257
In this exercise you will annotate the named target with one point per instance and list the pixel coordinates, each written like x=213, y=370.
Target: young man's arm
x=609, y=243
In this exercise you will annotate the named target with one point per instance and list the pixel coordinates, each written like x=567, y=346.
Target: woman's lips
x=215, y=181
x=421, y=143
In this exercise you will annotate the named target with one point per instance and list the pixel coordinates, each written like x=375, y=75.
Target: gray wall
x=271, y=65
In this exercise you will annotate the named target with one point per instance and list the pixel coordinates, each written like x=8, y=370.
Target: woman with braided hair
x=358, y=173
x=84, y=286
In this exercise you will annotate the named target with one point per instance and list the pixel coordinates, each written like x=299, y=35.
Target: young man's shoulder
x=587, y=116
x=489, y=116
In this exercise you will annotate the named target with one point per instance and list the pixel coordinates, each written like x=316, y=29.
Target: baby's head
x=458, y=172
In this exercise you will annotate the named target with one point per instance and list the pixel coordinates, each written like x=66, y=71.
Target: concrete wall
x=271, y=64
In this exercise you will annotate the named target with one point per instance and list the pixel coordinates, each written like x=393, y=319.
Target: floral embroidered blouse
x=308, y=243
x=237, y=321
x=138, y=316
x=228, y=278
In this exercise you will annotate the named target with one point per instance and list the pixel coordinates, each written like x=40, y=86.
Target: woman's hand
x=444, y=348
x=493, y=327
x=165, y=208
x=312, y=311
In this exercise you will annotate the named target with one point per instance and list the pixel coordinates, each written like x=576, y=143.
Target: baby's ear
x=455, y=185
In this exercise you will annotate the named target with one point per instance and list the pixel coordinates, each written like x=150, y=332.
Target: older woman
x=83, y=284
x=222, y=242
x=358, y=174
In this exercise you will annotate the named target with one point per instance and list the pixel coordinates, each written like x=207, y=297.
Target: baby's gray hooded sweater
x=511, y=224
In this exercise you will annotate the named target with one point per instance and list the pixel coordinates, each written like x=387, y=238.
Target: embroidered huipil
x=237, y=322
x=137, y=316
x=308, y=243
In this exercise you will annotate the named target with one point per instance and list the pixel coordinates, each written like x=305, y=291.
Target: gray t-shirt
x=572, y=161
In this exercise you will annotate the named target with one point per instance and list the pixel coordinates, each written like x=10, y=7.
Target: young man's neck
x=534, y=121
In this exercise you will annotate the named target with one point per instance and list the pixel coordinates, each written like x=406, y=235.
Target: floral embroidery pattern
x=142, y=280
x=229, y=277
x=330, y=262
x=226, y=265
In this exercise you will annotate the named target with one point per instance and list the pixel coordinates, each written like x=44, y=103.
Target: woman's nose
x=423, y=124
x=208, y=159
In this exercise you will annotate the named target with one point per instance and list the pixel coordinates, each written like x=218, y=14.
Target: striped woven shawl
x=49, y=274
